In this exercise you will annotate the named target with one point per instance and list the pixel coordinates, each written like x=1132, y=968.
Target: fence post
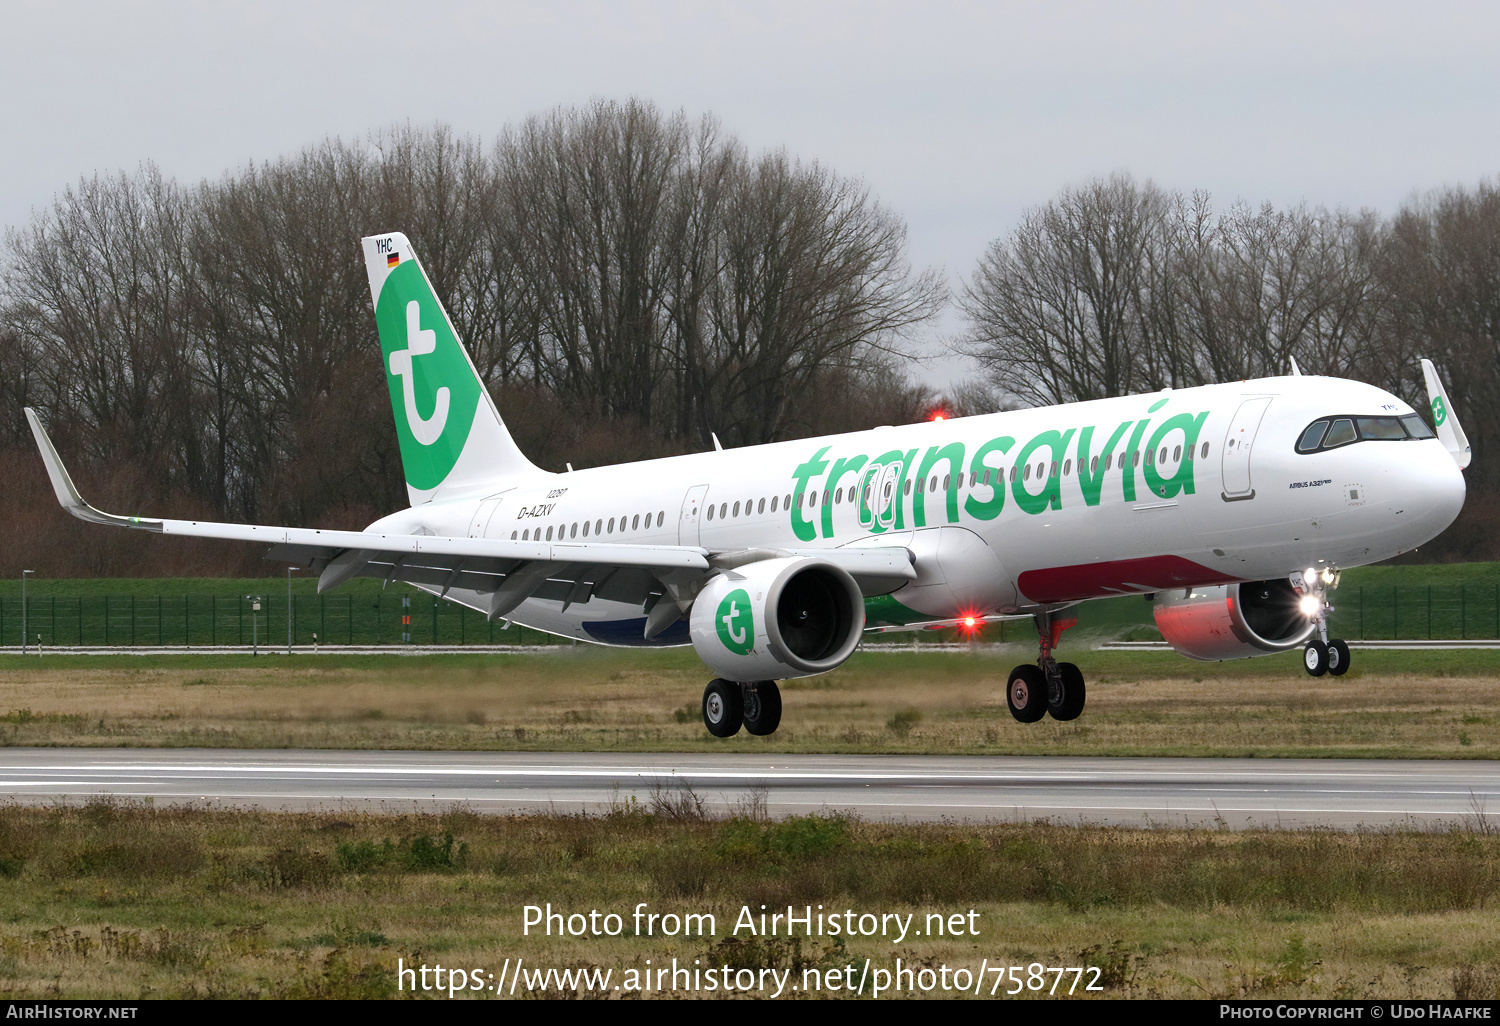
x=1429, y=612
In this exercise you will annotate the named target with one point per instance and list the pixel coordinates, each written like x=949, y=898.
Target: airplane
x=1233, y=507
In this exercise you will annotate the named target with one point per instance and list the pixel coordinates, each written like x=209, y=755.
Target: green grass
x=121, y=900
x=1392, y=704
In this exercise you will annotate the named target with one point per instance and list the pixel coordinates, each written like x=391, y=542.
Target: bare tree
x=1056, y=310
x=1441, y=268
x=96, y=292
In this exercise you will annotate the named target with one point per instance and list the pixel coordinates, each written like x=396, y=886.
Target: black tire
x=1338, y=658
x=722, y=711
x=1315, y=658
x=1026, y=693
x=1073, y=693
x=762, y=707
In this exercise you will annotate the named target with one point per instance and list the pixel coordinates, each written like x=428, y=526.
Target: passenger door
x=1238, y=443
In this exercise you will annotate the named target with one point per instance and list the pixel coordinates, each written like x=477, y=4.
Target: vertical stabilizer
x=1449, y=431
x=452, y=438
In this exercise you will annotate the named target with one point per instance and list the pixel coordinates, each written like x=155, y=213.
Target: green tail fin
x=453, y=441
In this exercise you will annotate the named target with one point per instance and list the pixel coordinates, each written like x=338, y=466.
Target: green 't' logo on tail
x=736, y=624
x=1439, y=411
x=434, y=393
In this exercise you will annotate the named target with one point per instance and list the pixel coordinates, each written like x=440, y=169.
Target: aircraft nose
x=1433, y=493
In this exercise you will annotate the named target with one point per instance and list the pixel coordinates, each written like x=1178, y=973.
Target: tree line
x=1117, y=287
x=631, y=283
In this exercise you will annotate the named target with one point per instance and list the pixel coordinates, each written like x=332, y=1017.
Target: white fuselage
x=1117, y=496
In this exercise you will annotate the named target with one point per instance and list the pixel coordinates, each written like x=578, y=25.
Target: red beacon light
x=938, y=414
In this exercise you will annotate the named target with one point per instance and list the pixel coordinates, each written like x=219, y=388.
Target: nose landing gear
x=1321, y=654
x=1050, y=686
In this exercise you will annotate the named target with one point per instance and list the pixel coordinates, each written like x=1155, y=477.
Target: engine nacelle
x=1233, y=621
x=778, y=618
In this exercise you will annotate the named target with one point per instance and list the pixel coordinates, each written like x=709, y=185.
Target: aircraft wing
x=491, y=575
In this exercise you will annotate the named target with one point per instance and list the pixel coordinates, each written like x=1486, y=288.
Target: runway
x=1225, y=793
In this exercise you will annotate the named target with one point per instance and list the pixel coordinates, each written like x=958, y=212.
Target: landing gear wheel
x=1070, y=702
x=762, y=705
x=1315, y=658
x=1338, y=658
x=1026, y=693
x=722, y=711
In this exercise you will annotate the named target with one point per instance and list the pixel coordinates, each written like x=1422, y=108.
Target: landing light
x=1311, y=605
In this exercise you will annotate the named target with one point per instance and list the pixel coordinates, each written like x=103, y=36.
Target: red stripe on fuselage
x=1116, y=577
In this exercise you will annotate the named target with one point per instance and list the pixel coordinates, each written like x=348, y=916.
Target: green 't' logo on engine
x=433, y=391
x=1439, y=411
x=736, y=626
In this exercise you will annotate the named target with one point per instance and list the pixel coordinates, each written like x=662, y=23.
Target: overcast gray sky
x=958, y=116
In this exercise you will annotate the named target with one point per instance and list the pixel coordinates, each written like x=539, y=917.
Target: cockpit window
x=1416, y=426
x=1342, y=433
x=1381, y=428
x=1312, y=436
x=1332, y=432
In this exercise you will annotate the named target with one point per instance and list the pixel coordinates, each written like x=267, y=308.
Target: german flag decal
x=392, y=260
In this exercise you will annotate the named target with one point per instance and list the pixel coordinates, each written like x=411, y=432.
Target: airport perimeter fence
x=203, y=620
x=1364, y=612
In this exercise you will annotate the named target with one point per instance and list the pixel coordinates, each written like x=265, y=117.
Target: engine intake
x=778, y=618
x=1233, y=621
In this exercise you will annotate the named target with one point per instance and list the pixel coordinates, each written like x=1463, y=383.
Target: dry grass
x=115, y=900
x=1414, y=705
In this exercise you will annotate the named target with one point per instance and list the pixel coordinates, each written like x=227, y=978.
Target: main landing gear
x=1321, y=655
x=727, y=705
x=1050, y=686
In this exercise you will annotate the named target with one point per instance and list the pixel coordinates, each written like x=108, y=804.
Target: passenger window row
x=837, y=496
x=567, y=532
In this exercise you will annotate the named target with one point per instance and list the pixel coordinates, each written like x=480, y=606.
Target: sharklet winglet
x=67, y=493
x=1444, y=421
